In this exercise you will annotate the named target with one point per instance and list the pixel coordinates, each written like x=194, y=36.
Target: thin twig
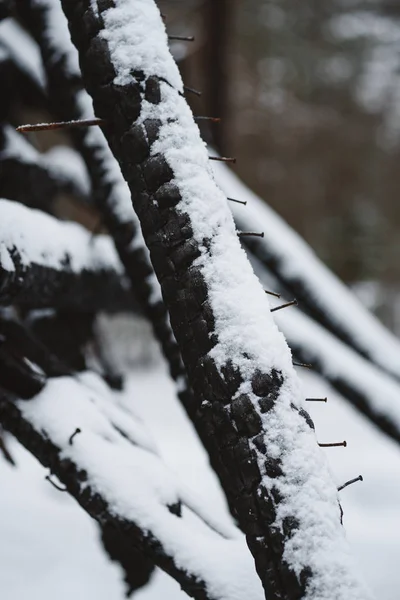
x=250, y=234
x=55, y=485
x=244, y=202
x=223, y=159
x=212, y=119
x=316, y=399
x=76, y=432
x=292, y=303
x=60, y=125
x=359, y=478
x=334, y=445
x=182, y=38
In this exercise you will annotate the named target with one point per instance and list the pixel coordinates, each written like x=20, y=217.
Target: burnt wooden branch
x=4, y=449
x=83, y=275
x=232, y=404
x=90, y=479
x=137, y=567
x=29, y=180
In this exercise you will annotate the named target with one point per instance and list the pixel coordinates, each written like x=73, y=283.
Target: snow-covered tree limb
x=48, y=263
x=238, y=362
x=114, y=472
x=36, y=179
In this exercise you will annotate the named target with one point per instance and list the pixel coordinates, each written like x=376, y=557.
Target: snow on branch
x=48, y=263
x=113, y=470
x=248, y=396
x=36, y=179
x=305, y=277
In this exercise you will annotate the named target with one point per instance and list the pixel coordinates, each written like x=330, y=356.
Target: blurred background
x=309, y=92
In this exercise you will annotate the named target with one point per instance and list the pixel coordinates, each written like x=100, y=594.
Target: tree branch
x=139, y=501
x=48, y=263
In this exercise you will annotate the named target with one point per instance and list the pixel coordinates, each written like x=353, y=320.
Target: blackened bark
x=137, y=567
x=97, y=286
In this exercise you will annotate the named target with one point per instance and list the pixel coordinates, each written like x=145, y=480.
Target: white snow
x=69, y=165
x=44, y=240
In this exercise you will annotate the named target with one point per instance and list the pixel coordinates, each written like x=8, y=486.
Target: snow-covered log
x=45, y=20
x=112, y=468
x=36, y=179
x=304, y=276
x=249, y=398
x=49, y=263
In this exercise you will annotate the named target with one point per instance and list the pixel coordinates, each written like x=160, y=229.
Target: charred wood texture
x=84, y=275
x=136, y=566
x=235, y=402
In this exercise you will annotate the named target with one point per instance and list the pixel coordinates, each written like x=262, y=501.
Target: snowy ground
x=49, y=547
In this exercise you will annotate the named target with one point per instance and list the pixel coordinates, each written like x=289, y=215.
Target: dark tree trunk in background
x=218, y=22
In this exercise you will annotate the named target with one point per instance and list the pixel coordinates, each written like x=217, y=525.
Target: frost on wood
x=140, y=500
x=238, y=362
x=48, y=263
